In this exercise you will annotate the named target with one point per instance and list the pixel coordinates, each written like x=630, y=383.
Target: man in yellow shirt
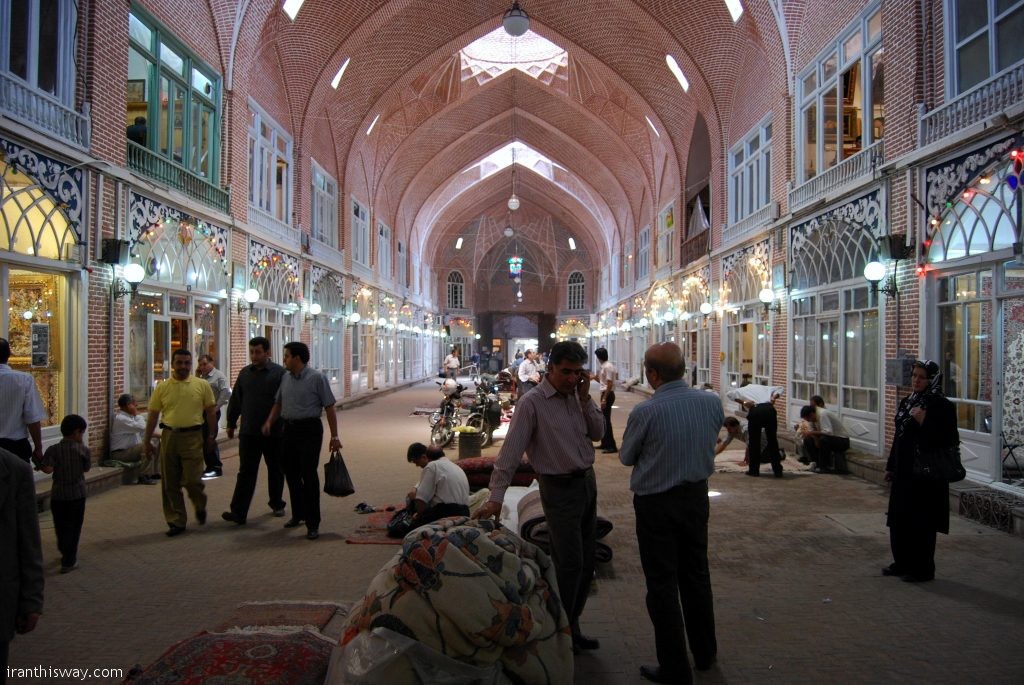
x=185, y=403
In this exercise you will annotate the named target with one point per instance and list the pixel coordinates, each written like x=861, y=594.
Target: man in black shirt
x=252, y=400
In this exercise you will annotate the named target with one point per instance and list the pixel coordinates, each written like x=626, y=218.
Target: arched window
x=576, y=290
x=456, y=291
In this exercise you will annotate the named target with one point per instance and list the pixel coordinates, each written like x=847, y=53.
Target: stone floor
x=795, y=565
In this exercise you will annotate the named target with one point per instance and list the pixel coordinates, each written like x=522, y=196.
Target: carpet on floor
x=276, y=615
x=374, y=529
x=296, y=658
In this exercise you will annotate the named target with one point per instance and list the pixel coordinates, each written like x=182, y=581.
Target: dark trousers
x=301, y=460
x=763, y=417
x=440, y=511
x=672, y=533
x=211, y=455
x=608, y=441
x=251, y=449
x=68, y=516
x=21, y=448
x=913, y=548
x=833, y=452
x=5, y=650
x=570, y=507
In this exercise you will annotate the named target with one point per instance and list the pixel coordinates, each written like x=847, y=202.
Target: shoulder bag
x=939, y=464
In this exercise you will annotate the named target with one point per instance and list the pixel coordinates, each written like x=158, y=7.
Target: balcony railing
x=750, y=224
x=152, y=165
x=856, y=169
x=39, y=111
x=266, y=223
x=988, y=99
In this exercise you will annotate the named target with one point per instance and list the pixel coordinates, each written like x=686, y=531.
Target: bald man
x=670, y=443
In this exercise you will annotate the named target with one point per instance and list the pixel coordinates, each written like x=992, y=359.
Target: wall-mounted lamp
x=706, y=308
x=354, y=318
x=875, y=271
x=249, y=298
x=132, y=275
x=767, y=296
x=314, y=311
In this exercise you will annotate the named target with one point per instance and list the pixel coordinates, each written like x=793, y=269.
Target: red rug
x=256, y=615
x=374, y=531
x=298, y=658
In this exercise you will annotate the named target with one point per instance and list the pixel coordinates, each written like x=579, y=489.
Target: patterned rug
x=274, y=616
x=296, y=658
x=374, y=531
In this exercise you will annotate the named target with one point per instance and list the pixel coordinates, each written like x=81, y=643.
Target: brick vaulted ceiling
x=587, y=116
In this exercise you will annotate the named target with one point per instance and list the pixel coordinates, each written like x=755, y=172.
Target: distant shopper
x=23, y=410
x=251, y=401
x=303, y=396
x=21, y=563
x=528, y=373
x=68, y=461
x=208, y=371
x=126, y=439
x=137, y=132
x=606, y=376
x=452, y=363
x=834, y=438
x=187, y=403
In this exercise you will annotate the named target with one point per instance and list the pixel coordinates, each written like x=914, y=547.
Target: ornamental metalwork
x=328, y=291
x=744, y=272
x=273, y=273
x=835, y=245
x=945, y=181
x=175, y=247
x=63, y=182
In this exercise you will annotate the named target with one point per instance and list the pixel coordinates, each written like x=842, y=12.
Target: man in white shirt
x=443, y=489
x=834, y=439
x=452, y=364
x=528, y=373
x=126, y=439
x=606, y=376
x=23, y=410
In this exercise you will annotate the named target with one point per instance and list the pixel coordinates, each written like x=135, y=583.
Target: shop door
x=828, y=360
x=158, y=361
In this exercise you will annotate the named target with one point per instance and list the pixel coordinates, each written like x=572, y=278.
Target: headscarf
x=919, y=399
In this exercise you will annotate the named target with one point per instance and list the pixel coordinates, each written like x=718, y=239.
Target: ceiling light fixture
x=508, y=231
x=516, y=21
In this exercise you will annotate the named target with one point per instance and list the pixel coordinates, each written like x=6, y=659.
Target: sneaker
x=201, y=516
x=279, y=513
x=212, y=473
x=230, y=516
x=69, y=569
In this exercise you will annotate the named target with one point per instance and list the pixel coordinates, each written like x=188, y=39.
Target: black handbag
x=337, y=481
x=939, y=464
x=400, y=524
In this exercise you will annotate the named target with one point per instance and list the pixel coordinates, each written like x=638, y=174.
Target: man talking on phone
x=556, y=425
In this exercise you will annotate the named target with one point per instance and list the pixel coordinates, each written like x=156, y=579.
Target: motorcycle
x=446, y=418
x=485, y=412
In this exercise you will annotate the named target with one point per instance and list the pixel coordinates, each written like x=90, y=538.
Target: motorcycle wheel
x=442, y=434
x=480, y=423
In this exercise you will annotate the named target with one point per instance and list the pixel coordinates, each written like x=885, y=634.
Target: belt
x=570, y=475
x=299, y=422
x=188, y=429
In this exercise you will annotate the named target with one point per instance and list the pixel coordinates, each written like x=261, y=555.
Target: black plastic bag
x=337, y=482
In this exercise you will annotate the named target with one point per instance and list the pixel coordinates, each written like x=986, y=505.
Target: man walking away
x=670, y=443
x=304, y=394
x=606, y=376
x=253, y=398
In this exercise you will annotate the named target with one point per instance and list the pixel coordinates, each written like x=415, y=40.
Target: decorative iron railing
x=289, y=237
x=39, y=111
x=152, y=165
x=980, y=103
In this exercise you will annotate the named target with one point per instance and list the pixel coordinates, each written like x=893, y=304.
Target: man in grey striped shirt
x=556, y=425
x=670, y=443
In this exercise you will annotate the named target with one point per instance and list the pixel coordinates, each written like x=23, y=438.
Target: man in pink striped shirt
x=556, y=425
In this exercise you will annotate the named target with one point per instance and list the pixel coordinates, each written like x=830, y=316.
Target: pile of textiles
x=475, y=593
x=533, y=527
x=478, y=472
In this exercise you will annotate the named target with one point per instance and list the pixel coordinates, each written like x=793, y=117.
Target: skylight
x=291, y=8
x=372, y=124
x=651, y=124
x=458, y=243
x=735, y=9
x=677, y=72
x=572, y=243
x=492, y=55
x=341, y=72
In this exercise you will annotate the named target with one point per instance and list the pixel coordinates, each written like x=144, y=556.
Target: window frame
x=575, y=291
x=456, y=292
x=384, y=258
x=267, y=150
x=750, y=179
x=953, y=46
x=643, y=253
x=323, y=205
x=64, y=87
x=360, y=233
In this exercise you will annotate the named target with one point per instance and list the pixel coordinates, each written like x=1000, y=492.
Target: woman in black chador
x=918, y=508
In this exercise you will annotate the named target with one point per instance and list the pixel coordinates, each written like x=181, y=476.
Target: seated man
x=443, y=489
x=833, y=435
x=809, y=434
x=126, y=439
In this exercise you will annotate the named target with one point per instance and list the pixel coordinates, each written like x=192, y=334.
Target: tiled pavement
x=795, y=568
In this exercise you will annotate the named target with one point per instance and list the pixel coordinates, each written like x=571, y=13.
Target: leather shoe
x=279, y=513
x=753, y=474
x=173, y=530
x=201, y=517
x=312, y=534
x=145, y=480
x=910, y=578
x=656, y=674
x=704, y=664
x=230, y=516
x=609, y=451
x=891, y=570
x=581, y=641
x=293, y=523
